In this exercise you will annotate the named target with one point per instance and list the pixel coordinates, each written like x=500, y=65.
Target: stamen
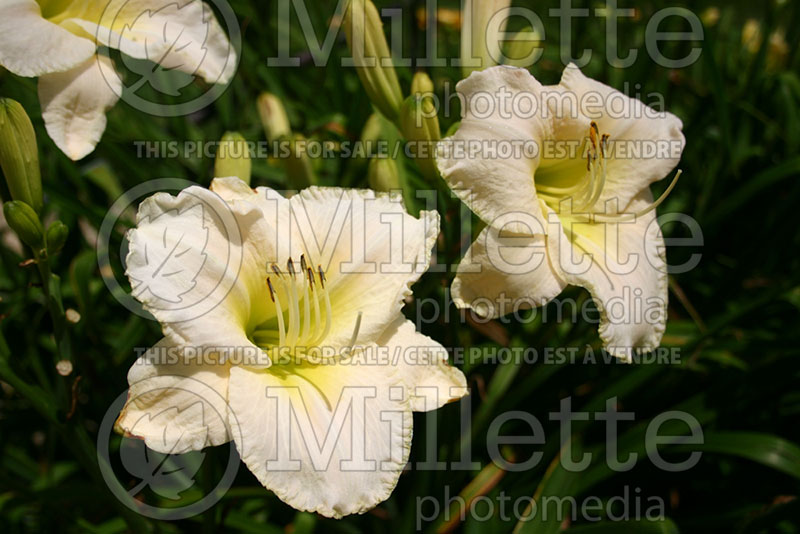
x=313, y=287
x=278, y=314
x=294, y=310
x=662, y=198
x=306, y=307
x=599, y=217
x=354, y=337
x=321, y=276
x=596, y=165
x=593, y=132
x=328, y=314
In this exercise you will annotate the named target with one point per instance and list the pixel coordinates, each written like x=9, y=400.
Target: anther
x=593, y=133
x=275, y=269
x=321, y=276
x=290, y=267
x=271, y=290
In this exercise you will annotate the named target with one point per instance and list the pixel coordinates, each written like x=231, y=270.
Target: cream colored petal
x=371, y=251
x=329, y=439
x=645, y=145
x=177, y=402
x=624, y=268
x=74, y=104
x=423, y=364
x=198, y=265
x=177, y=35
x=503, y=273
x=32, y=46
x=491, y=160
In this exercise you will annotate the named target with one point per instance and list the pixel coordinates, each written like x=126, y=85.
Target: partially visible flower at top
x=561, y=177
x=317, y=371
x=57, y=41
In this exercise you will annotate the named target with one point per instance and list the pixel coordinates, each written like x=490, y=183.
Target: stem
x=73, y=436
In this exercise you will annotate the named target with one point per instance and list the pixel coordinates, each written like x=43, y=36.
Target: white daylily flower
x=325, y=270
x=566, y=199
x=57, y=42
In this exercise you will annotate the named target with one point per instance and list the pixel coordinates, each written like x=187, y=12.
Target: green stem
x=73, y=436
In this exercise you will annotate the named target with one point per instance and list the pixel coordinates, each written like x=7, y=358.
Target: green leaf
x=558, y=483
x=665, y=526
x=766, y=449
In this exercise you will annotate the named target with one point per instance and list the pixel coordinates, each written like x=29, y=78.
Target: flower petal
x=325, y=438
x=623, y=265
x=632, y=126
x=176, y=402
x=32, y=46
x=74, y=104
x=370, y=249
x=473, y=162
x=177, y=35
x=422, y=363
x=505, y=273
x=198, y=265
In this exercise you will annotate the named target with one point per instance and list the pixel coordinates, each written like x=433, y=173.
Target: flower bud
x=56, y=236
x=273, y=117
x=421, y=84
x=383, y=174
x=19, y=154
x=24, y=221
x=524, y=48
x=372, y=129
x=298, y=165
x=420, y=126
x=371, y=57
x=479, y=29
x=233, y=157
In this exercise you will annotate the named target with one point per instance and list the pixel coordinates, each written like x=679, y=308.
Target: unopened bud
x=522, y=50
x=298, y=165
x=421, y=84
x=371, y=56
x=420, y=126
x=273, y=117
x=19, y=154
x=56, y=236
x=482, y=24
x=372, y=129
x=24, y=221
x=233, y=157
x=383, y=174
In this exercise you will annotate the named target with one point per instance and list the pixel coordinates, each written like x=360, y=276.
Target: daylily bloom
x=57, y=41
x=312, y=286
x=561, y=175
